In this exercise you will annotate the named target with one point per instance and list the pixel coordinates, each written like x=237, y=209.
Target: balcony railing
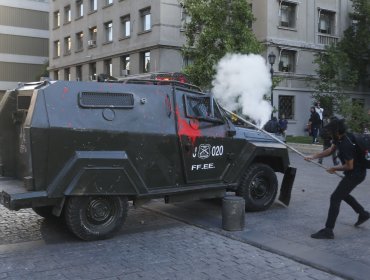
x=327, y=39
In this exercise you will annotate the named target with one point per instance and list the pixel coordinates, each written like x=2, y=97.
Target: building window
x=93, y=5
x=359, y=102
x=57, y=49
x=287, y=14
x=186, y=61
x=145, y=62
x=326, y=22
x=79, y=9
x=108, y=67
x=56, y=75
x=145, y=19
x=185, y=18
x=56, y=19
x=286, y=106
x=125, y=65
x=92, y=71
x=79, y=41
x=108, y=26
x=79, y=73
x=67, y=74
x=126, y=26
x=108, y=2
x=92, y=37
x=67, y=45
x=67, y=14
x=287, y=61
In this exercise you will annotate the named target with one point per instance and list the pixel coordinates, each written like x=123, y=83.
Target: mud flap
x=287, y=185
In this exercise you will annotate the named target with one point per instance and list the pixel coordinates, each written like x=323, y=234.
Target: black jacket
x=315, y=119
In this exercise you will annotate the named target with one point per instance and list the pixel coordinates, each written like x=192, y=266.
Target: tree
x=44, y=72
x=344, y=67
x=217, y=27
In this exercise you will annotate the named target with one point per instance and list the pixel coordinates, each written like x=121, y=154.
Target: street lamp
x=272, y=58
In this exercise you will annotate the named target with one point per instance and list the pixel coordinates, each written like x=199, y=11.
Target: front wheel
x=95, y=217
x=258, y=187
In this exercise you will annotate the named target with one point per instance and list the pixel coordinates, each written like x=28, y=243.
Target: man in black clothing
x=354, y=174
x=326, y=142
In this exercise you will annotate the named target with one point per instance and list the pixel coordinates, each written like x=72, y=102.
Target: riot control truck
x=85, y=151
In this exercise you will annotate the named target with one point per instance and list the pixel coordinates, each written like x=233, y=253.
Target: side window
x=203, y=108
x=197, y=107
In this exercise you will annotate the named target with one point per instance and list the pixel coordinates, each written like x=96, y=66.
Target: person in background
x=283, y=125
x=272, y=125
x=315, y=123
x=320, y=111
x=354, y=173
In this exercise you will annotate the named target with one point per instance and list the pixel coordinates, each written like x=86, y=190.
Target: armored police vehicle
x=85, y=150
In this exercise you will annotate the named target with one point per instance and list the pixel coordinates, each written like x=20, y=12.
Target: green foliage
x=43, y=71
x=217, y=27
x=299, y=139
x=344, y=67
x=358, y=119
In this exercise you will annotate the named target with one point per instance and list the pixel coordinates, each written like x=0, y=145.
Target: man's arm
x=322, y=154
x=348, y=165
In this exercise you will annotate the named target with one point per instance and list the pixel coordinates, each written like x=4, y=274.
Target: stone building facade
x=24, y=37
x=120, y=38
x=128, y=37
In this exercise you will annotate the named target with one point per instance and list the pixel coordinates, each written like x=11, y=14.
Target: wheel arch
x=277, y=163
x=97, y=173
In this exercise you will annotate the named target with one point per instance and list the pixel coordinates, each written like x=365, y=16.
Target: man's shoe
x=325, y=233
x=362, y=218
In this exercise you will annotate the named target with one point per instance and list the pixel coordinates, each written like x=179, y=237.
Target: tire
x=258, y=187
x=95, y=217
x=45, y=212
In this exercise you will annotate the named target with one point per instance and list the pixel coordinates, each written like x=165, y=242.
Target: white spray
x=241, y=83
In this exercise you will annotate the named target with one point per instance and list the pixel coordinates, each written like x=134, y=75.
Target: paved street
x=152, y=246
x=287, y=231
x=185, y=241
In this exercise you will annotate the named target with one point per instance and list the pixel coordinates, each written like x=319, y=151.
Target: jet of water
x=241, y=83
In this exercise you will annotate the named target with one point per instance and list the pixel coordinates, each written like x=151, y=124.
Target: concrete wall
x=24, y=33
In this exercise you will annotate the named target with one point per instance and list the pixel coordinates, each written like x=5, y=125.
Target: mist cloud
x=241, y=82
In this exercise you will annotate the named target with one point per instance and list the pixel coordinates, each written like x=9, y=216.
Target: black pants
x=342, y=192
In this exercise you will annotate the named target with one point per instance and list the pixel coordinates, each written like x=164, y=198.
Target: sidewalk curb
x=308, y=149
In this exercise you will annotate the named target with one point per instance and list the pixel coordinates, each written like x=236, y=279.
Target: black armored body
x=83, y=150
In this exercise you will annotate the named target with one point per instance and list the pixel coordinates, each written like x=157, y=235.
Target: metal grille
x=198, y=107
x=286, y=106
x=106, y=99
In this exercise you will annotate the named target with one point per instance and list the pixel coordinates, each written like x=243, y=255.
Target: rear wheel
x=95, y=217
x=258, y=187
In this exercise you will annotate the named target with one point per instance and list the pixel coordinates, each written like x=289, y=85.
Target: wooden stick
x=278, y=140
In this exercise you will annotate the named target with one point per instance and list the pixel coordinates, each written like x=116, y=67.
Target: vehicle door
x=205, y=138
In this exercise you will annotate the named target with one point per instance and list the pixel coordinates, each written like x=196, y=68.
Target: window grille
x=106, y=99
x=286, y=106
